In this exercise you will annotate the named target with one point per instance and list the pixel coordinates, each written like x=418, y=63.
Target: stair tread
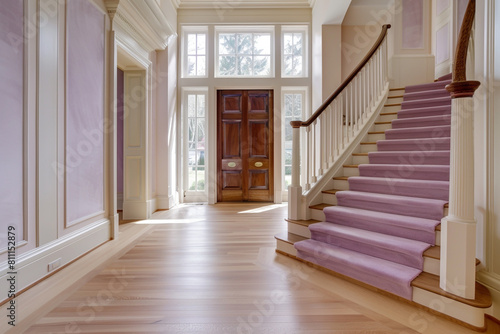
x=289, y=237
x=331, y=191
x=395, y=96
x=303, y=222
x=350, y=166
x=430, y=282
x=380, y=123
x=388, y=113
x=397, y=88
x=360, y=154
x=434, y=252
x=377, y=132
x=320, y=206
x=342, y=178
x=369, y=143
x=392, y=105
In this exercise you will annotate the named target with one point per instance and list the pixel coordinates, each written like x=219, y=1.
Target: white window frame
x=190, y=195
x=305, y=49
x=186, y=30
x=305, y=112
x=244, y=29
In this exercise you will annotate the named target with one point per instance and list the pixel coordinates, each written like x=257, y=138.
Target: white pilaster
x=295, y=190
x=458, y=229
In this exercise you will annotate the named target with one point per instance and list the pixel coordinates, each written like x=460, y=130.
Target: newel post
x=458, y=229
x=295, y=190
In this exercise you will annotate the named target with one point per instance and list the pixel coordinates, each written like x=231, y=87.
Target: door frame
x=271, y=137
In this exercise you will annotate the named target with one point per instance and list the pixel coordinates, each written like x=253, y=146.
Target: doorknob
x=231, y=164
x=258, y=164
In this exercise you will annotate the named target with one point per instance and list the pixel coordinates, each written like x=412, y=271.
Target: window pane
x=227, y=44
x=262, y=44
x=201, y=66
x=245, y=66
x=288, y=61
x=192, y=130
x=191, y=67
x=288, y=44
x=262, y=65
x=201, y=133
x=191, y=105
x=201, y=44
x=191, y=43
x=288, y=105
x=227, y=65
x=201, y=106
x=245, y=44
x=297, y=44
x=297, y=66
x=297, y=109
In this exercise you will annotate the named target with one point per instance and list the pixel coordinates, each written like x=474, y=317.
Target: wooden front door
x=245, y=145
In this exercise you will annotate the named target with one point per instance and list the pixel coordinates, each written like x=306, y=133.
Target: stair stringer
x=314, y=195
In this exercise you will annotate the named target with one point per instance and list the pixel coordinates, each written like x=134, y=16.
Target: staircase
x=380, y=222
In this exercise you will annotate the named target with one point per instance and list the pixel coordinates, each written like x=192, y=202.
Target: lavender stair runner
x=379, y=229
x=386, y=275
x=419, y=132
x=416, y=172
x=426, y=94
x=438, y=101
x=397, y=225
x=388, y=247
x=401, y=187
x=418, y=122
x=411, y=158
x=423, y=112
x=419, y=144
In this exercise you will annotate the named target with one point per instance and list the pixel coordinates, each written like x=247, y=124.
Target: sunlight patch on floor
x=169, y=221
x=265, y=208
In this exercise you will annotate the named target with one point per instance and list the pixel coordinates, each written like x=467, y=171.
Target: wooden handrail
x=366, y=59
x=459, y=66
x=459, y=86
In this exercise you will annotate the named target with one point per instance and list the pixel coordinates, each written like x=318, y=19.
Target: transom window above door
x=244, y=52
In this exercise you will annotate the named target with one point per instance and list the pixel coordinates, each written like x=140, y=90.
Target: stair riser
x=396, y=92
x=438, y=238
x=431, y=265
x=358, y=160
x=330, y=199
x=382, y=127
x=386, y=118
x=318, y=215
x=393, y=100
x=351, y=171
x=286, y=247
x=375, y=137
x=341, y=184
x=368, y=148
x=299, y=229
x=390, y=108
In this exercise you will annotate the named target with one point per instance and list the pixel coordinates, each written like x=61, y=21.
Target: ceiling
x=225, y=4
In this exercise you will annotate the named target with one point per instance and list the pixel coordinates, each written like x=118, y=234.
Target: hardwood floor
x=213, y=269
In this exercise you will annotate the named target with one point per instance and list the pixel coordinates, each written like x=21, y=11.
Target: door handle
x=258, y=164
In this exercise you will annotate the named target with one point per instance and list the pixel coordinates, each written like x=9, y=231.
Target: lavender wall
x=413, y=24
x=11, y=118
x=119, y=130
x=85, y=110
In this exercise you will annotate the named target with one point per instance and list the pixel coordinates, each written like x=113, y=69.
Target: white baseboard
x=32, y=266
x=136, y=210
x=152, y=205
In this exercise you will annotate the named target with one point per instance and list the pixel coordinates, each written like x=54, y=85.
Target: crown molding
x=246, y=4
x=144, y=21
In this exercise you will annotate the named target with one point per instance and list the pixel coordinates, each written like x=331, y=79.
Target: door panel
x=245, y=146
